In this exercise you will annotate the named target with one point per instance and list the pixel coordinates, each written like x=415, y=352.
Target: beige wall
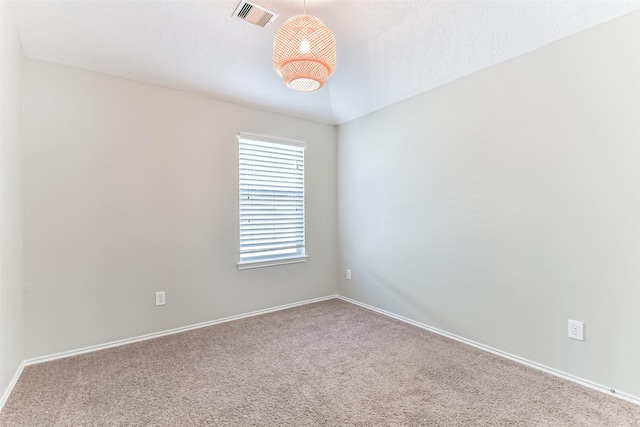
x=132, y=189
x=11, y=192
x=501, y=205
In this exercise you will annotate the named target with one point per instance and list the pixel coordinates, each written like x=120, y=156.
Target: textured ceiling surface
x=388, y=50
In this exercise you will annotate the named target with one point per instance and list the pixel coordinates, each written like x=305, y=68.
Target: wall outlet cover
x=160, y=298
x=576, y=330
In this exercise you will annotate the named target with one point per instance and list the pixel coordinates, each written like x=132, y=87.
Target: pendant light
x=304, y=53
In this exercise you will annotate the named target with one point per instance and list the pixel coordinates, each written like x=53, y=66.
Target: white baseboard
x=168, y=332
x=555, y=372
x=598, y=387
x=98, y=347
x=117, y=343
x=11, y=385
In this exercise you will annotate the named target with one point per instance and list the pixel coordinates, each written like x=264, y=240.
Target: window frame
x=267, y=260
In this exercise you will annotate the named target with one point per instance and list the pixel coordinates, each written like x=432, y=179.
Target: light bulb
x=305, y=46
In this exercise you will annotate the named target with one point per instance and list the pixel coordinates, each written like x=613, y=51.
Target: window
x=271, y=201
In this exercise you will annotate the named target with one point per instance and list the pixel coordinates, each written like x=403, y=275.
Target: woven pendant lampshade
x=304, y=53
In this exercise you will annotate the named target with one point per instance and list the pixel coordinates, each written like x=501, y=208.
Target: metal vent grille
x=255, y=14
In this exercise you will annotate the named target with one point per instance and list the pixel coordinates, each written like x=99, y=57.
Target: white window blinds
x=271, y=199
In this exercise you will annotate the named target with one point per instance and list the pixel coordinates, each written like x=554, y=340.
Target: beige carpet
x=324, y=364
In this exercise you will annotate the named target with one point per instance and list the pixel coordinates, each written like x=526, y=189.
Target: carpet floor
x=325, y=364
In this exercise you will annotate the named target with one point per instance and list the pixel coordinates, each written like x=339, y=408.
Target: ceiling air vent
x=255, y=14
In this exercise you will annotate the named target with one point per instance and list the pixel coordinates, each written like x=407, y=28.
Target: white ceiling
x=388, y=50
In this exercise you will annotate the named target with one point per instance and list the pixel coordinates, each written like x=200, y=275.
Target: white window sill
x=273, y=262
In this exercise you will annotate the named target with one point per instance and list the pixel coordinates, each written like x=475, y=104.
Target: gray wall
x=11, y=192
x=132, y=189
x=501, y=205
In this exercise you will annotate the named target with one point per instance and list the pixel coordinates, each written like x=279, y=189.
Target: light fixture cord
x=304, y=7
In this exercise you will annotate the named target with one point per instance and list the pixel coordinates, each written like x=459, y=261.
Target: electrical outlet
x=576, y=330
x=160, y=298
x=348, y=274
